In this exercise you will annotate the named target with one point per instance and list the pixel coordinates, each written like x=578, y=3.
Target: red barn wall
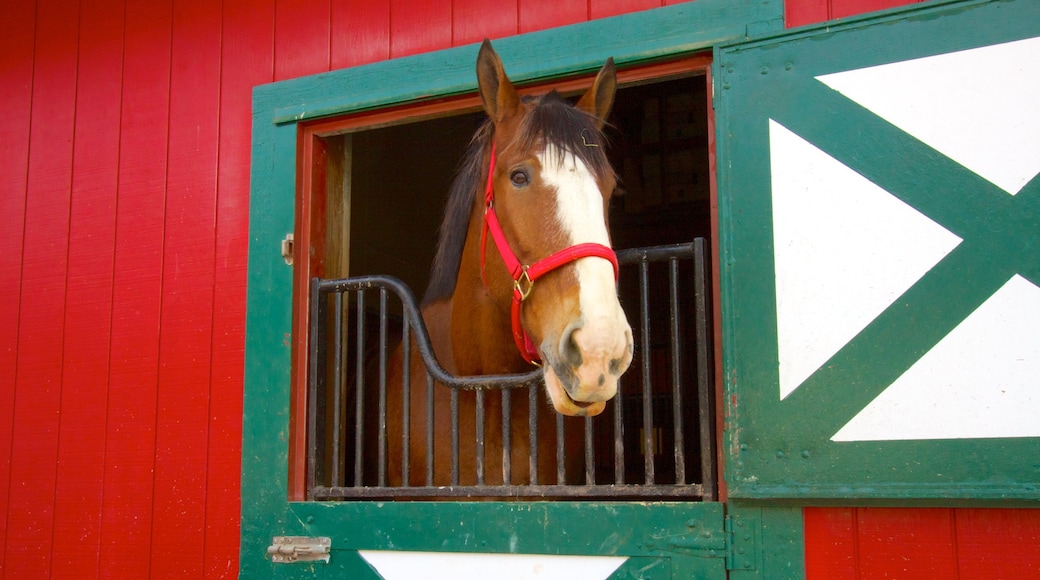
x=124, y=179
x=800, y=12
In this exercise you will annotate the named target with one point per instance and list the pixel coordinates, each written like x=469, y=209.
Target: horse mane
x=551, y=120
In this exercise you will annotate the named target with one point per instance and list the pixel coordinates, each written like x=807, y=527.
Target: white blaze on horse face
x=604, y=338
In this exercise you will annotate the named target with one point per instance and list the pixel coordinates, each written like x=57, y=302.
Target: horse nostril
x=569, y=350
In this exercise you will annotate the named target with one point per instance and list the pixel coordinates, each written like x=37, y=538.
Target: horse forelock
x=550, y=121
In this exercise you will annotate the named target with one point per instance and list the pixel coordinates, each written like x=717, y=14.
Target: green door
x=880, y=238
x=335, y=539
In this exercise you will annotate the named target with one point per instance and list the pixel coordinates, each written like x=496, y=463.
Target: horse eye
x=519, y=178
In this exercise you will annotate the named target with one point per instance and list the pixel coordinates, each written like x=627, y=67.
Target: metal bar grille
x=658, y=426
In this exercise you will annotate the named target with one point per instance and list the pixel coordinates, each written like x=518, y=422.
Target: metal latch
x=288, y=549
x=287, y=249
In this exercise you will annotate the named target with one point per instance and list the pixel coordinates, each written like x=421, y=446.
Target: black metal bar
x=705, y=382
x=676, y=356
x=480, y=436
x=619, y=436
x=336, y=475
x=507, y=431
x=532, y=434
x=507, y=491
x=359, y=388
x=561, y=467
x=590, y=454
x=406, y=405
x=454, y=437
x=429, y=429
x=317, y=351
x=381, y=463
x=648, y=410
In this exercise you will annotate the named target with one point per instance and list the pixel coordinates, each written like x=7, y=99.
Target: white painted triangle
x=979, y=107
x=844, y=250
x=981, y=381
x=392, y=565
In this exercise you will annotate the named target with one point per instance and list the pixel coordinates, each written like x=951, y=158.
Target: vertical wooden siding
x=801, y=12
x=124, y=177
x=852, y=543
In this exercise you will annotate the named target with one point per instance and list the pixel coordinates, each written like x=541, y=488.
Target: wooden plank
x=607, y=8
x=544, y=14
x=998, y=543
x=186, y=320
x=37, y=386
x=88, y=293
x=830, y=543
x=126, y=522
x=846, y=8
x=360, y=32
x=247, y=60
x=418, y=26
x=17, y=36
x=906, y=543
x=475, y=20
x=302, y=38
x=802, y=12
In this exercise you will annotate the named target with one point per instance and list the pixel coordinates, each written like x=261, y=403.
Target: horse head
x=545, y=212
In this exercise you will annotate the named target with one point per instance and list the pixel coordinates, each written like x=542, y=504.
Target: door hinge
x=288, y=549
x=736, y=542
x=742, y=536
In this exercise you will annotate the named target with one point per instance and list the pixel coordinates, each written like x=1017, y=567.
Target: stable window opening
x=372, y=193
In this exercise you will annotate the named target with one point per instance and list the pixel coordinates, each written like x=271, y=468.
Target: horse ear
x=500, y=98
x=600, y=96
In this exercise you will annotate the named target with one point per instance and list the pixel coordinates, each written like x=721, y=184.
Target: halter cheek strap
x=524, y=276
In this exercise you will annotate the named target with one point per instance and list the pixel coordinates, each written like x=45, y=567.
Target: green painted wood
x=631, y=38
x=767, y=542
x=781, y=449
x=277, y=108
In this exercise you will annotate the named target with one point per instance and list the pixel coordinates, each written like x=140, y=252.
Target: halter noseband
x=523, y=276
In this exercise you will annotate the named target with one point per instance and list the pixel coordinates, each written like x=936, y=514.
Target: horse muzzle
x=583, y=369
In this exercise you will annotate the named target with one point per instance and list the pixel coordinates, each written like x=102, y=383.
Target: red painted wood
x=360, y=32
x=247, y=60
x=802, y=12
x=418, y=26
x=921, y=543
x=126, y=520
x=830, y=543
x=302, y=38
x=998, y=543
x=34, y=444
x=845, y=8
x=543, y=14
x=88, y=294
x=906, y=543
x=607, y=8
x=17, y=39
x=475, y=20
x=186, y=321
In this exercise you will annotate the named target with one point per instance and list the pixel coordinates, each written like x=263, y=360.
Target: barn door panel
x=879, y=210
x=555, y=539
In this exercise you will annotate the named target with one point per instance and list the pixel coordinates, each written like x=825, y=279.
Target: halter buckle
x=518, y=285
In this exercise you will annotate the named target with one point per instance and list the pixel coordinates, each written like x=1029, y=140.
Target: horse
x=523, y=275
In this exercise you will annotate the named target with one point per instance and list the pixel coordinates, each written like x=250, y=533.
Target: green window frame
x=278, y=111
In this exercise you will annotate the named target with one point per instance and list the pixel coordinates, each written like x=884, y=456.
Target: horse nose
x=598, y=355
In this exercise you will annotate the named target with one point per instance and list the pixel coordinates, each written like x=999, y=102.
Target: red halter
x=523, y=276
